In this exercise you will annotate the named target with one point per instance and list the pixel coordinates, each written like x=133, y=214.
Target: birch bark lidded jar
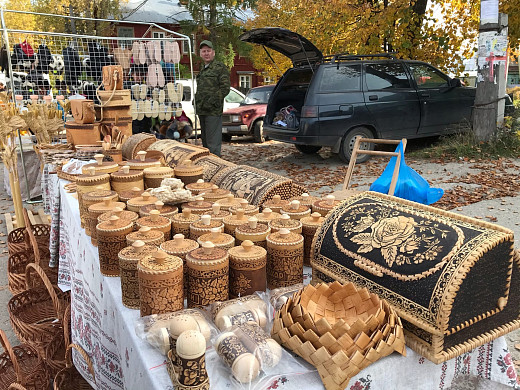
x=145, y=199
x=218, y=238
x=181, y=222
x=296, y=210
x=231, y=222
x=147, y=235
x=160, y=283
x=228, y=201
x=153, y=176
x=253, y=231
x=247, y=267
x=125, y=180
x=267, y=215
x=324, y=205
x=141, y=162
x=199, y=187
x=275, y=204
x=305, y=199
x=156, y=222
x=125, y=196
x=217, y=214
x=198, y=206
x=95, y=210
x=188, y=172
x=111, y=239
x=216, y=193
x=122, y=214
x=191, y=358
x=284, y=259
x=87, y=183
x=309, y=226
x=285, y=222
x=89, y=198
x=101, y=166
x=249, y=209
x=180, y=247
x=164, y=210
x=203, y=226
x=208, y=275
x=128, y=259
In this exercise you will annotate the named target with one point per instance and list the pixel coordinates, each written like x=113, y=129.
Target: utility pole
x=489, y=107
x=70, y=10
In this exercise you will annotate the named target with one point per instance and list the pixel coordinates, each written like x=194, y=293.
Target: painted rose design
x=390, y=235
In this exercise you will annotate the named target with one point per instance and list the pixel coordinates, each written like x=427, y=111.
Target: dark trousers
x=211, y=132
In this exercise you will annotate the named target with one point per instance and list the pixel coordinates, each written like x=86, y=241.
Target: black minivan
x=332, y=100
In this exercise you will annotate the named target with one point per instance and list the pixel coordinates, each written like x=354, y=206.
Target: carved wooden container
x=111, y=239
x=285, y=222
x=95, y=210
x=253, y=231
x=284, y=259
x=126, y=179
x=181, y=222
x=147, y=235
x=203, y=226
x=309, y=226
x=247, y=269
x=156, y=222
x=180, y=247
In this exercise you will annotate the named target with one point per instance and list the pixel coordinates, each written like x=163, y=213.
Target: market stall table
x=105, y=329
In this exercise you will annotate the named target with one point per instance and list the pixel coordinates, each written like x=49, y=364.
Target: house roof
x=154, y=11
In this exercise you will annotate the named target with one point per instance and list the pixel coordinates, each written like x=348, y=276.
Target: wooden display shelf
x=36, y=218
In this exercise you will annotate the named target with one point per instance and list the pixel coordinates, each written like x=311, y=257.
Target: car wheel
x=258, y=131
x=307, y=149
x=226, y=137
x=347, y=145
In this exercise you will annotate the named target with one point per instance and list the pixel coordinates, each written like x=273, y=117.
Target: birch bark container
x=231, y=222
x=111, y=239
x=199, y=187
x=160, y=283
x=101, y=166
x=309, y=227
x=217, y=238
x=284, y=259
x=87, y=183
x=147, y=235
x=180, y=247
x=203, y=226
x=296, y=210
x=188, y=172
x=323, y=206
x=275, y=204
x=305, y=199
x=141, y=162
x=217, y=214
x=181, y=222
x=95, y=210
x=125, y=180
x=253, y=231
x=216, y=193
x=228, y=201
x=145, y=199
x=154, y=176
x=247, y=269
x=156, y=222
x=285, y=222
x=249, y=209
x=164, y=210
x=267, y=215
x=125, y=196
x=92, y=197
x=126, y=215
x=244, y=365
x=198, y=206
x=191, y=358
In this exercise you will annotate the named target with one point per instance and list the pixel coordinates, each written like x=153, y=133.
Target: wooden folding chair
x=344, y=193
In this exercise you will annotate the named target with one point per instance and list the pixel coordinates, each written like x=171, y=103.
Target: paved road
x=324, y=172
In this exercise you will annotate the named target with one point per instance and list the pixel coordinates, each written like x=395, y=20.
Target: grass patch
x=506, y=143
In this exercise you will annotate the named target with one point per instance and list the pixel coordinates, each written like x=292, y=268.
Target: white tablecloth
x=105, y=329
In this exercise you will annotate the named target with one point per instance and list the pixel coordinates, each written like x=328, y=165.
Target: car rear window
x=340, y=79
x=386, y=76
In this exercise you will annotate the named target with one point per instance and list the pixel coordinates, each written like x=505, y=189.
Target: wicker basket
x=55, y=350
x=69, y=378
x=21, y=364
x=16, y=241
x=16, y=265
x=338, y=329
x=34, y=311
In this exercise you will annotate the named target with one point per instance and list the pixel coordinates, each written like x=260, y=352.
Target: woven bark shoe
x=150, y=52
x=168, y=53
x=143, y=91
x=155, y=94
x=134, y=109
x=176, y=56
x=162, y=96
x=178, y=110
x=141, y=108
x=162, y=111
x=135, y=91
x=157, y=51
x=142, y=53
x=160, y=76
x=155, y=109
x=148, y=108
x=169, y=110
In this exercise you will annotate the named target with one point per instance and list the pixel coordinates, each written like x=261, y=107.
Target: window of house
x=158, y=34
x=245, y=81
x=185, y=46
x=125, y=32
x=268, y=80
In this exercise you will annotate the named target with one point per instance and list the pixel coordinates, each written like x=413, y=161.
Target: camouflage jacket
x=212, y=87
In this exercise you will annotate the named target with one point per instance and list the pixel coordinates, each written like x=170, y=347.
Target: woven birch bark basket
x=338, y=329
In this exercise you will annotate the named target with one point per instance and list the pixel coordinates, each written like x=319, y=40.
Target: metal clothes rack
x=75, y=62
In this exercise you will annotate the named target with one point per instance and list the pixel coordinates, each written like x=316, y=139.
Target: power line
x=135, y=9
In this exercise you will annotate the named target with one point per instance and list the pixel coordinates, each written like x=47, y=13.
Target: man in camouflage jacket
x=212, y=87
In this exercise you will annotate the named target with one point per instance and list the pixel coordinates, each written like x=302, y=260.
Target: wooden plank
x=31, y=217
x=46, y=219
x=9, y=223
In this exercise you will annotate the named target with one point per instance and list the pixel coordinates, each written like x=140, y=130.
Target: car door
x=391, y=99
x=442, y=105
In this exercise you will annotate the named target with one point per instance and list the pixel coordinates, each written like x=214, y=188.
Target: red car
x=248, y=118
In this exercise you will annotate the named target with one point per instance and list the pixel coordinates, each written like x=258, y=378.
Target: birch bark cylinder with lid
x=199, y=187
x=188, y=172
x=284, y=259
x=216, y=193
x=154, y=176
x=126, y=179
x=126, y=195
x=180, y=247
x=156, y=222
x=217, y=214
x=160, y=283
x=305, y=199
x=95, y=210
x=218, y=238
x=247, y=269
x=324, y=205
x=198, y=206
x=286, y=222
x=89, y=182
x=89, y=198
x=111, y=239
x=191, y=355
x=275, y=204
x=253, y=231
x=101, y=166
x=145, y=199
x=228, y=201
x=122, y=214
x=208, y=275
x=147, y=235
x=249, y=209
x=267, y=215
x=128, y=259
x=141, y=162
x=309, y=227
x=203, y=226
x=231, y=222
x=296, y=210
x=164, y=210
x=181, y=222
